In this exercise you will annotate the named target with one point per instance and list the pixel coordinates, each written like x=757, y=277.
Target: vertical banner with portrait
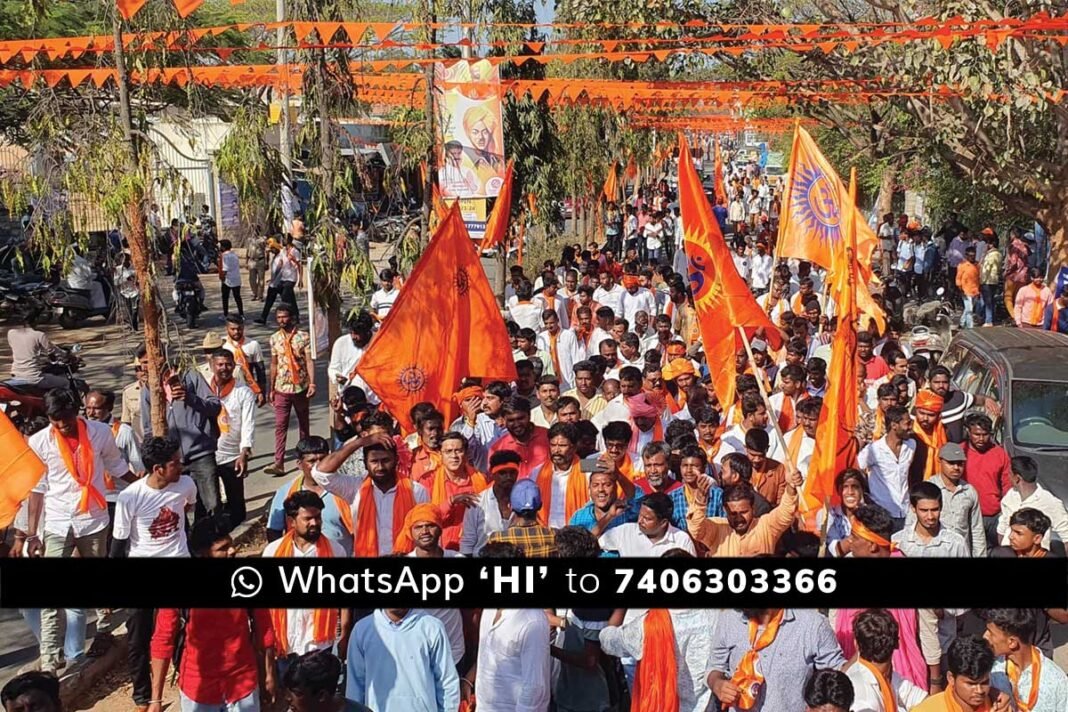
x=468, y=104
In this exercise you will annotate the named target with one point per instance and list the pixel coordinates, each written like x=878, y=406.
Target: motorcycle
x=73, y=306
x=23, y=298
x=188, y=303
x=22, y=401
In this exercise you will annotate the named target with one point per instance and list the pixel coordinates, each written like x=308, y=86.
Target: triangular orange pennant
x=186, y=8
x=497, y=224
x=445, y=326
x=129, y=8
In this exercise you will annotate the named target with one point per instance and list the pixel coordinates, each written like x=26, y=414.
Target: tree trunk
x=1055, y=220
x=137, y=238
x=885, y=201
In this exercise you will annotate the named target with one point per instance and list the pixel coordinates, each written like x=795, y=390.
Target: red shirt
x=988, y=472
x=219, y=658
x=534, y=452
x=875, y=369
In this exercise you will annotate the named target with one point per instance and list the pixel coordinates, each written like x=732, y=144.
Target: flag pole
x=791, y=466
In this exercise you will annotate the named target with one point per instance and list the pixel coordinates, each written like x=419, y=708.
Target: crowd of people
x=610, y=442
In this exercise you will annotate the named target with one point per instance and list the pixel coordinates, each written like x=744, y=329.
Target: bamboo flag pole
x=791, y=466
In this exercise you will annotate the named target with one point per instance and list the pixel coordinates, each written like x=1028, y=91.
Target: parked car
x=1024, y=370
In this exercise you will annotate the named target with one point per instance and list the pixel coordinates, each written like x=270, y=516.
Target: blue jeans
x=967, y=317
x=989, y=292
x=245, y=704
x=73, y=640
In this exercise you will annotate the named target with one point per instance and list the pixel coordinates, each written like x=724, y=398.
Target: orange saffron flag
x=497, y=225
x=129, y=8
x=813, y=212
x=719, y=192
x=836, y=442
x=611, y=184
x=721, y=297
x=631, y=171
x=186, y=7
x=20, y=470
x=444, y=327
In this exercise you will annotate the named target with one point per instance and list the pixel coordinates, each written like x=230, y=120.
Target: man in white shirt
x=754, y=415
x=100, y=406
x=741, y=261
x=552, y=299
x=877, y=635
x=760, y=269
x=290, y=273
x=231, y=278
x=525, y=311
x=561, y=345
x=651, y=536
x=801, y=441
x=346, y=354
x=386, y=294
x=150, y=522
x=380, y=488
x=237, y=431
x=494, y=508
x=1027, y=492
x=609, y=294
x=295, y=629
x=248, y=358
x=887, y=462
x=513, y=661
x=73, y=503
x=635, y=298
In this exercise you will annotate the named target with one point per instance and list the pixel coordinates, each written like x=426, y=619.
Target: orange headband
x=864, y=533
x=504, y=466
x=469, y=392
x=929, y=400
x=630, y=280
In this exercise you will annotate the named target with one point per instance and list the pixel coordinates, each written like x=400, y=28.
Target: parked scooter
x=73, y=306
x=22, y=401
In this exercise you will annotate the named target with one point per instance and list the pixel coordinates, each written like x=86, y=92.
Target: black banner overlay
x=534, y=583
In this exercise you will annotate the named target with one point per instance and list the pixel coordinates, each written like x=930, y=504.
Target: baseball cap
x=526, y=496
x=952, y=452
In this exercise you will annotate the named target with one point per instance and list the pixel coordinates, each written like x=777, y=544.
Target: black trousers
x=283, y=292
x=139, y=629
x=234, y=487
x=236, y=291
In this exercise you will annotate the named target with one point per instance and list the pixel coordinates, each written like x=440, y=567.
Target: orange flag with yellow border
x=721, y=297
x=444, y=327
x=20, y=470
x=497, y=224
x=836, y=442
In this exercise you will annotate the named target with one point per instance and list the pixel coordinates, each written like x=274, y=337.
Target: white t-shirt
x=154, y=520
x=232, y=267
x=382, y=301
x=629, y=541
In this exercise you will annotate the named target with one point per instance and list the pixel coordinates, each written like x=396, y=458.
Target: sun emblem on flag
x=704, y=281
x=461, y=281
x=412, y=378
x=815, y=204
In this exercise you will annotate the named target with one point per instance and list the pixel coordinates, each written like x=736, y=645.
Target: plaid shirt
x=587, y=516
x=677, y=492
x=535, y=541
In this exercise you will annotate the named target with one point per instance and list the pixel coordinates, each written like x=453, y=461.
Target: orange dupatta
x=223, y=419
x=748, y=681
x=82, y=469
x=934, y=443
x=242, y=361
x=438, y=493
x=343, y=507
x=786, y=416
x=576, y=496
x=553, y=354
x=1015, y=673
x=889, y=699
x=793, y=448
x=294, y=369
x=324, y=620
x=366, y=534
x=656, y=680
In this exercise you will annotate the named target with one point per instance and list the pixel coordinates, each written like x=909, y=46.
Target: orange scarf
x=324, y=620
x=934, y=443
x=223, y=419
x=656, y=679
x=1036, y=314
x=889, y=699
x=81, y=469
x=796, y=306
x=748, y=681
x=711, y=450
x=676, y=404
x=242, y=362
x=627, y=469
x=344, y=508
x=1014, y=674
x=553, y=354
x=577, y=493
x=786, y=417
x=793, y=448
x=880, y=424
x=1055, y=317
x=294, y=369
x=366, y=543
x=438, y=493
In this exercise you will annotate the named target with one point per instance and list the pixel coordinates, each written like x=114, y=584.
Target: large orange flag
x=497, y=225
x=813, y=211
x=611, y=184
x=444, y=326
x=721, y=297
x=719, y=191
x=836, y=442
x=20, y=470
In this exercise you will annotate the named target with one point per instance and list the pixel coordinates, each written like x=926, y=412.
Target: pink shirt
x=1031, y=305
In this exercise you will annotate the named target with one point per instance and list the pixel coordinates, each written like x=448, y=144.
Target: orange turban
x=425, y=512
x=929, y=400
x=677, y=367
x=470, y=392
x=630, y=280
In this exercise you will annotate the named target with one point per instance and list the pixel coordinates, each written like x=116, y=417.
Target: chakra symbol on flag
x=815, y=204
x=702, y=272
x=461, y=281
x=412, y=379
